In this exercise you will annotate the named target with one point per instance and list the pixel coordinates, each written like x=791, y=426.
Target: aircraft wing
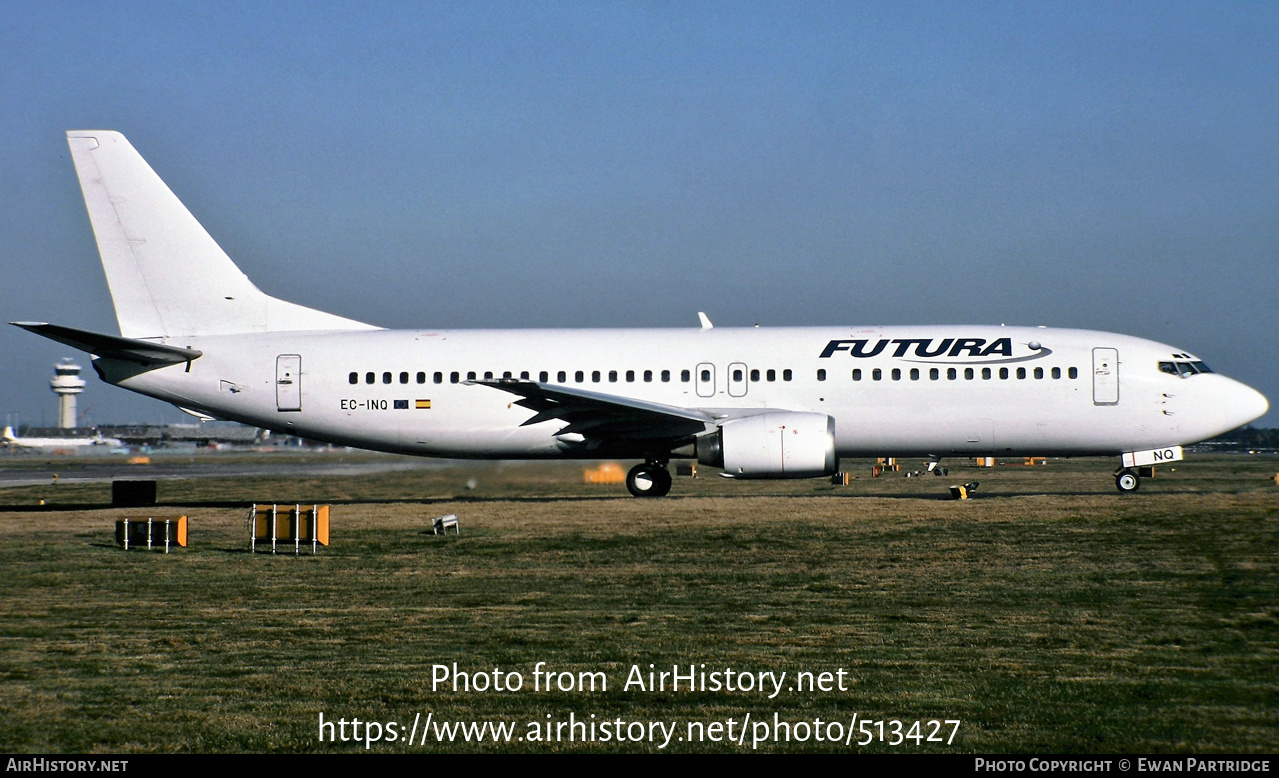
x=599, y=415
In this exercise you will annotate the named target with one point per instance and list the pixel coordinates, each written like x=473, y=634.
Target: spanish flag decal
x=423, y=404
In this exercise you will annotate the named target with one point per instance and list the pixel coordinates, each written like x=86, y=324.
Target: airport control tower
x=66, y=383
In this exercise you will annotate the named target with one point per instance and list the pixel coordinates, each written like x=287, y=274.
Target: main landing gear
x=650, y=479
x=1127, y=480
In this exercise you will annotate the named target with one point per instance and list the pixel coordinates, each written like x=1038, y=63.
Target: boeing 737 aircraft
x=757, y=402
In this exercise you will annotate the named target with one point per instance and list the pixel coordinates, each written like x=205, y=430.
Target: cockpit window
x=1184, y=369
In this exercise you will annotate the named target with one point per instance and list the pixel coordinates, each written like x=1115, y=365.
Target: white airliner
x=8, y=438
x=757, y=402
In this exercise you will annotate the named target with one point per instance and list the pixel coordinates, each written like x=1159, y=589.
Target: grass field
x=1049, y=613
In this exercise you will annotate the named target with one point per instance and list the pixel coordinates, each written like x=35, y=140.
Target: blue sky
x=1107, y=166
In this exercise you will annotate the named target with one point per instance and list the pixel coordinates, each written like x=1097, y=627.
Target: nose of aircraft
x=1245, y=404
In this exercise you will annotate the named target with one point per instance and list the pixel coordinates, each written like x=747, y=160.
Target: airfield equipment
x=149, y=532
x=297, y=523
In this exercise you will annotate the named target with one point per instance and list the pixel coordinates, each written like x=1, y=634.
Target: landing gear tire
x=1127, y=481
x=649, y=480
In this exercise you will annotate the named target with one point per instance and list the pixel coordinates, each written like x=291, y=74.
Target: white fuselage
x=918, y=390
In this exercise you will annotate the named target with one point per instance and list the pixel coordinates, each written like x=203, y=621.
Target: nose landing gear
x=1127, y=480
x=650, y=479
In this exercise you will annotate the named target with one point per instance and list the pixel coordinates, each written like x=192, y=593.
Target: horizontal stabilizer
x=112, y=346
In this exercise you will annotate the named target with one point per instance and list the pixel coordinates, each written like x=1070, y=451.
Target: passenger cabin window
x=630, y=376
x=951, y=374
x=1039, y=372
x=369, y=378
x=421, y=377
x=897, y=374
x=914, y=374
x=612, y=376
x=579, y=376
x=934, y=374
x=876, y=374
x=561, y=377
x=666, y=376
x=353, y=378
x=685, y=375
x=1073, y=372
x=1021, y=372
x=404, y=377
x=821, y=375
x=786, y=374
x=544, y=377
x=595, y=376
x=386, y=377
x=439, y=378
x=470, y=375
x=648, y=376
x=857, y=374
x=968, y=374
x=1056, y=372
x=454, y=377
x=771, y=375
x=755, y=375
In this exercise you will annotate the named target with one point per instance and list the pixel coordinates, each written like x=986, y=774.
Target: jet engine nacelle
x=772, y=445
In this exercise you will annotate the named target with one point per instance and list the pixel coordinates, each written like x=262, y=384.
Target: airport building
x=66, y=383
x=206, y=435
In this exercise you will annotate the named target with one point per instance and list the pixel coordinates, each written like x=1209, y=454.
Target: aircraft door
x=1105, y=376
x=737, y=382
x=288, y=382
x=705, y=380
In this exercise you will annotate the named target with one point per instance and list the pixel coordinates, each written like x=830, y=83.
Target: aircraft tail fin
x=166, y=273
x=8, y=435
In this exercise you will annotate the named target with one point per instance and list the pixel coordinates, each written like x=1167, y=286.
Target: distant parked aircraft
x=12, y=440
